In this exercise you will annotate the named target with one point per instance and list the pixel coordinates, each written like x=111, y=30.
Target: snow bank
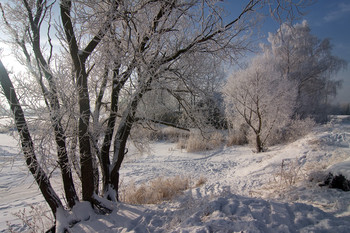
x=342, y=168
x=244, y=191
x=235, y=213
x=229, y=213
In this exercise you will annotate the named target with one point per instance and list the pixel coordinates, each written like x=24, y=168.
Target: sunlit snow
x=245, y=191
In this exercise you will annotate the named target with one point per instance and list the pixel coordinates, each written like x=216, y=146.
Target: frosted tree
x=30, y=156
x=261, y=98
x=307, y=60
x=25, y=29
x=111, y=55
x=187, y=90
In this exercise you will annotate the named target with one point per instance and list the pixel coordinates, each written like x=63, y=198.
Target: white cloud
x=342, y=10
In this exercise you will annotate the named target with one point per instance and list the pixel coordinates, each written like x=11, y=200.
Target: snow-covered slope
x=275, y=191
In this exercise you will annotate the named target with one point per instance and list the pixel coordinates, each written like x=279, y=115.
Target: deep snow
x=244, y=191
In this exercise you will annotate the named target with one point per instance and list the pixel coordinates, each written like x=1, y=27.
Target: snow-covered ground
x=275, y=191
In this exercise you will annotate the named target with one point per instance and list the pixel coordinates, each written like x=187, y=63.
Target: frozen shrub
x=291, y=132
x=238, y=132
x=299, y=128
x=238, y=137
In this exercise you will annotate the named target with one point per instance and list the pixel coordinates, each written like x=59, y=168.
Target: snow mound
x=229, y=213
x=235, y=213
x=230, y=200
x=342, y=168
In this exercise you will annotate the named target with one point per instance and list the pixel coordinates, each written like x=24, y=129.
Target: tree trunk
x=119, y=152
x=63, y=161
x=27, y=144
x=105, y=161
x=51, y=100
x=259, y=145
x=79, y=58
x=117, y=85
x=87, y=177
x=122, y=135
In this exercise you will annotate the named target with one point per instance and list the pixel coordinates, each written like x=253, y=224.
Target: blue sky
x=330, y=19
x=327, y=19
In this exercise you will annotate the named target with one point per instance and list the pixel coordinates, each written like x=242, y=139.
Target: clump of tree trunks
x=98, y=83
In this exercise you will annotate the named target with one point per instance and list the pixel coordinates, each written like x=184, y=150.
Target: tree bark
x=117, y=85
x=27, y=143
x=87, y=176
x=259, y=146
x=51, y=99
x=121, y=138
x=79, y=58
x=108, y=140
x=122, y=135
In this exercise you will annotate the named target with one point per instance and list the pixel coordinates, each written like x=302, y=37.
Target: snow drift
x=244, y=191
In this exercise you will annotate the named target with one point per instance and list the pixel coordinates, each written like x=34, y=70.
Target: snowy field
x=275, y=191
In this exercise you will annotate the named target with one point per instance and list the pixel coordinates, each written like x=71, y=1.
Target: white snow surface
x=244, y=191
x=342, y=168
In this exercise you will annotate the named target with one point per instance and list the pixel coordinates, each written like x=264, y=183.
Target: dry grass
x=172, y=134
x=193, y=141
x=142, y=136
x=236, y=139
x=202, y=180
x=36, y=218
x=157, y=190
x=289, y=174
x=156, y=132
x=182, y=143
x=197, y=142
